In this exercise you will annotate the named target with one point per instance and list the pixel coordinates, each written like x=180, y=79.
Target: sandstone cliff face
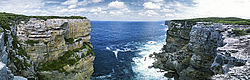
x=193, y=50
x=50, y=37
x=47, y=49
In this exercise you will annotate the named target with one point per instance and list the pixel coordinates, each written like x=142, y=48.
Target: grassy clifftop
x=226, y=20
x=7, y=19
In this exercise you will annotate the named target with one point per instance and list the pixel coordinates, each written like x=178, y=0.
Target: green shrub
x=69, y=58
x=217, y=69
x=235, y=22
x=78, y=40
x=77, y=50
x=20, y=51
x=238, y=32
x=90, y=52
x=186, y=60
x=247, y=30
x=227, y=20
x=69, y=41
x=32, y=42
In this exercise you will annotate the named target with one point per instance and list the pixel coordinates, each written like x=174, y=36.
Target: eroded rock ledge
x=205, y=50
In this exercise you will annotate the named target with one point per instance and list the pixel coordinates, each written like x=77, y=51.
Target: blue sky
x=130, y=10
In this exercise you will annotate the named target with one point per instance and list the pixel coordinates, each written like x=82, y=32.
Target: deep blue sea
x=122, y=49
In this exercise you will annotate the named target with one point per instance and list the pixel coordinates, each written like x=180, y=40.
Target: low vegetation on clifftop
x=7, y=19
x=227, y=20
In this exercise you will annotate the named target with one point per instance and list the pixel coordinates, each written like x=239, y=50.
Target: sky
x=129, y=10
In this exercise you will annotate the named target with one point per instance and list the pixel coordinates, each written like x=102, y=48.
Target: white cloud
x=123, y=12
x=70, y=2
x=76, y=3
x=208, y=8
x=149, y=13
x=96, y=1
x=117, y=5
x=98, y=11
x=222, y=8
x=72, y=6
x=157, y=0
x=78, y=10
x=170, y=15
x=126, y=10
x=85, y=2
x=118, y=10
x=176, y=10
x=166, y=10
x=150, y=5
x=116, y=13
x=81, y=9
x=29, y=7
x=51, y=2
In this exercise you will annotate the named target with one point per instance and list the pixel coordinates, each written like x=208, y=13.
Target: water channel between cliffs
x=122, y=49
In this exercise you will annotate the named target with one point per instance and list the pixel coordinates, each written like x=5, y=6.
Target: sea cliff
x=45, y=47
x=205, y=50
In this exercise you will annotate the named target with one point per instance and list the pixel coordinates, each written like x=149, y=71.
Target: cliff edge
x=45, y=47
x=205, y=50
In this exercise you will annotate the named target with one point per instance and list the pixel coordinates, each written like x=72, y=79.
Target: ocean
x=122, y=49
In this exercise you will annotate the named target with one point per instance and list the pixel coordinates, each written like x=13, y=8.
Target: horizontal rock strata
x=200, y=50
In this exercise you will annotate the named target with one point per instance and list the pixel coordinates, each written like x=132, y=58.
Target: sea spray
x=143, y=62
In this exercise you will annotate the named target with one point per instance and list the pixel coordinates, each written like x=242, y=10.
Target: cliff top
x=225, y=20
x=42, y=17
x=7, y=19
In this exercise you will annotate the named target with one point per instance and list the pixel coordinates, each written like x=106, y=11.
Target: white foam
x=151, y=42
x=107, y=48
x=116, y=52
x=165, y=29
x=103, y=77
x=142, y=63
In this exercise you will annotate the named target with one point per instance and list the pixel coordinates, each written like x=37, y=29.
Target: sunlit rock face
x=50, y=35
x=52, y=40
x=201, y=50
x=233, y=58
x=45, y=49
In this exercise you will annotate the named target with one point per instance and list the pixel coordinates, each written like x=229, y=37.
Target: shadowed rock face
x=14, y=62
x=3, y=58
x=192, y=51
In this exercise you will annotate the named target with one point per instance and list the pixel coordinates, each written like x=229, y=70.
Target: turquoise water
x=122, y=49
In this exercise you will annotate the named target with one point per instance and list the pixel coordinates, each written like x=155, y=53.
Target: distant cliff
x=45, y=47
x=206, y=50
